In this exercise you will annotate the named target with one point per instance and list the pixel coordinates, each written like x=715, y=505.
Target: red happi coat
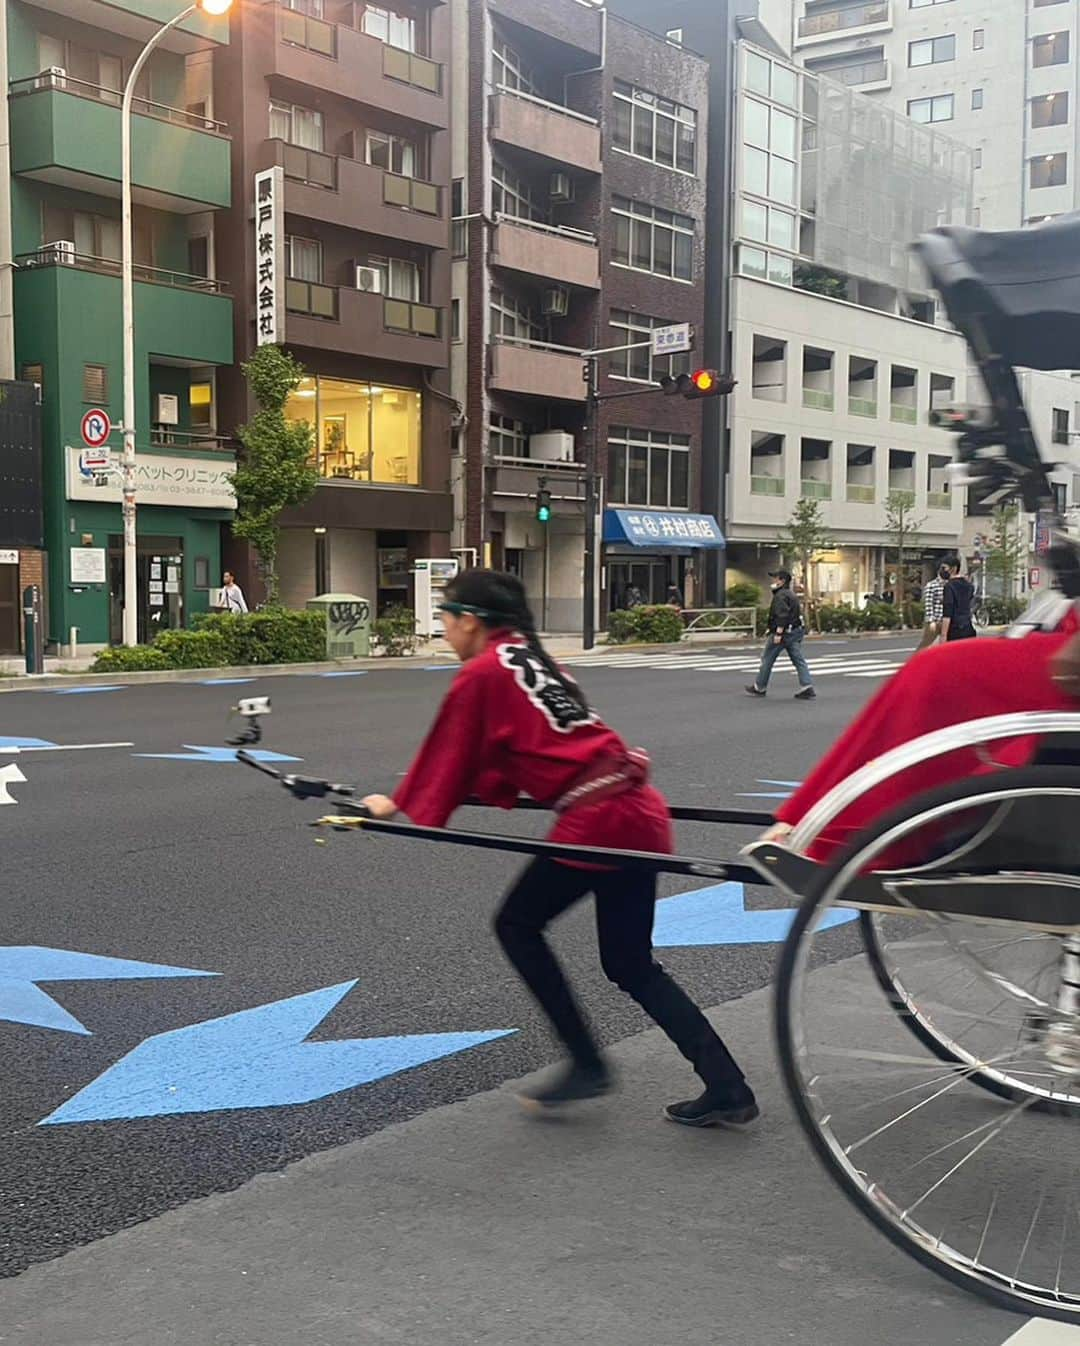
x=505, y=728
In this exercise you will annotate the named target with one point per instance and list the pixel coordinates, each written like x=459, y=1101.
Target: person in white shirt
x=231, y=594
x=934, y=603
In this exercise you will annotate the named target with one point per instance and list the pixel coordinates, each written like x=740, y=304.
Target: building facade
x=580, y=153
x=66, y=72
x=346, y=106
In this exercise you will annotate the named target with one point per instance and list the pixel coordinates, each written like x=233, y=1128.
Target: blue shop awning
x=655, y=529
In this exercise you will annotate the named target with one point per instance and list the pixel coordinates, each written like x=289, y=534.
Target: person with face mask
x=934, y=604
x=785, y=632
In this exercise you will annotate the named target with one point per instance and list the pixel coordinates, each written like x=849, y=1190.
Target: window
x=511, y=196
x=455, y=319
x=512, y=319
x=509, y=71
x=761, y=265
x=507, y=438
x=1042, y=4
x=1051, y=49
x=978, y=39
x=771, y=79
x=648, y=467
x=1061, y=426
x=91, y=71
x=932, y=51
x=1053, y=110
x=768, y=224
x=363, y=432
x=396, y=30
x=34, y=373
x=198, y=254
x=769, y=151
x=297, y=125
x=95, y=384
x=976, y=218
x=201, y=401
x=976, y=158
x=394, y=153
x=650, y=239
x=303, y=257
x=401, y=279
x=628, y=328
x=976, y=100
x=1049, y=170
x=925, y=4
x=939, y=109
x=651, y=127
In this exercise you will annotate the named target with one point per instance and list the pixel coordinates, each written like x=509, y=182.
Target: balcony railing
x=553, y=466
x=866, y=72
x=860, y=495
x=560, y=108
x=938, y=500
x=766, y=485
x=143, y=107
x=411, y=194
x=837, y=20
x=302, y=30
x=811, y=397
x=556, y=230
x=309, y=166
x=55, y=254
x=403, y=315
x=817, y=490
x=411, y=68
x=162, y=437
x=905, y=415
x=862, y=406
x=312, y=298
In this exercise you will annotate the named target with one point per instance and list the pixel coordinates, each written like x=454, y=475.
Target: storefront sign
x=651, y=528
x=9, y=558
x=186, y=483
x=87, y=565
x=270, y=255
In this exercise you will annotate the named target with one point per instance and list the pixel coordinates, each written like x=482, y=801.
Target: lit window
x=1049, y=170
x=1053, y=110
x=362, y=432
x=1050, y=49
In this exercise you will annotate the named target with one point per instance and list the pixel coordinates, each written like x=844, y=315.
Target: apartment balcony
x=762, y=485
x=535, y=370
x=903, y=415
x=568, y=257
x=67, y=132
x=351, y=64
x=559, y=135
x=338, y=318
x=141, y=19
x=869, y=76
x=816, y=490
x=571, y=23
x=517, y=476
x=353, y=195
x=939, y=500
x=824, y=25
x=858, y=494
x=862, y=406
x=817, y=399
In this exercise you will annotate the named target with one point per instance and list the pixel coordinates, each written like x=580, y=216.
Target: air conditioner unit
x=369, y=279
x=556, y=303
x=553, y=446
x=166, y=409
x=562, y=187
x=63, y=250
x=53, y=76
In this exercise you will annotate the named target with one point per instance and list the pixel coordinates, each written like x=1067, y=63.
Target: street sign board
x=96, y=428
x=673, y=340
x=95, y=460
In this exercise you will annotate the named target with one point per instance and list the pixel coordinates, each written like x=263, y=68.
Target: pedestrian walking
x=957, y=622
x=934, y=605
x=513, y=722
x=784, y=632
x=674, y=597
x=633, y=598
x=232, y=596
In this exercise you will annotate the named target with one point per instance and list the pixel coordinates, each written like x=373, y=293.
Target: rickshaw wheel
x=983, y=1190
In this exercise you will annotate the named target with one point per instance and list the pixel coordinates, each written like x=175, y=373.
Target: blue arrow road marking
x=257, y=1058
x=717, y=915
x=223, y=682
x=23, y=965
x=199, y=752
x=20, y=741
x=78, y=691
x=349, y=673
x=774, y=794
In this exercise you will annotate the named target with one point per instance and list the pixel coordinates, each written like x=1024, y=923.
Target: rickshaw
x=930, y=1040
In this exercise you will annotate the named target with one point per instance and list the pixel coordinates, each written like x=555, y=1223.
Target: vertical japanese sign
x=270, y=255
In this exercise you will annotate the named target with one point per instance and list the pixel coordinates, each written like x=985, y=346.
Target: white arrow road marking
x=1042, y=1332
x=8, y=776
x=70, y=747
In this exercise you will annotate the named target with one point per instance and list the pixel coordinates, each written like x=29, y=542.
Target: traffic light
x=543, y=505
x=701, y=383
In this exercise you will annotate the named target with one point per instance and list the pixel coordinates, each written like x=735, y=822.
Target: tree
x=816, y=280
x=806, y=536
x=904, y=533
x=1008, y=548
x=275, y=470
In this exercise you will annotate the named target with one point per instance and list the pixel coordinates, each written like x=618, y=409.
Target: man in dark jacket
x=957, y=623
x=785, y=632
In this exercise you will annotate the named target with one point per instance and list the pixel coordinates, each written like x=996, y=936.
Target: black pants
x=625, y=900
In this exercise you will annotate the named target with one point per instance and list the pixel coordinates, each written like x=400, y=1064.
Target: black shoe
x=716, y=1108
x=754, y=690
x=805, y=694
x=573, y=1083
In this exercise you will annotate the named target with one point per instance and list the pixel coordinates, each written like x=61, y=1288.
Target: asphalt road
x=203, y=865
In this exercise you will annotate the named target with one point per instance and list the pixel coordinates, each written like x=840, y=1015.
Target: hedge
x=659, y=625
x=395, y=631
x=220, y=639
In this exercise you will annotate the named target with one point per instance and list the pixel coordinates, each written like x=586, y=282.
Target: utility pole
x=592, y=456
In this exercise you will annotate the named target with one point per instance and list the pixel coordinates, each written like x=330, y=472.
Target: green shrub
x=274, y=636
x=743, y=594
x=191, y=649
x=881, y=617
x=130, y=659
x=395, y=632
x=839, y=617
x=659, y=625
x=1002, y=611
x=914, y=614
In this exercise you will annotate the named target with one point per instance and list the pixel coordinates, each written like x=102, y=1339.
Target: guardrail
x=721, y=619
x=144, y=107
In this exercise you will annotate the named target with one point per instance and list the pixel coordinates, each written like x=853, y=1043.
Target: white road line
x=67, y=747
x=1042, y=1332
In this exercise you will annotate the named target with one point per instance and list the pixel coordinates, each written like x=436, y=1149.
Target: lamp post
x=131, y=596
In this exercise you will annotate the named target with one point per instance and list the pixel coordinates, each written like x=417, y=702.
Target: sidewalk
x=473, y=1225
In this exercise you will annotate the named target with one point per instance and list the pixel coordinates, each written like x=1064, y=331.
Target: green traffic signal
x=543, y=505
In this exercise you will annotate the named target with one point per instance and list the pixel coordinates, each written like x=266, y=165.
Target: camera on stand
x=250, y=708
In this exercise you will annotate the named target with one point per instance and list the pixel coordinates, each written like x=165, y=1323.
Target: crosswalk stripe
x=852, y=664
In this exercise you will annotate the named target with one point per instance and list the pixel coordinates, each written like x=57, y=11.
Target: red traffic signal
x=701, y=383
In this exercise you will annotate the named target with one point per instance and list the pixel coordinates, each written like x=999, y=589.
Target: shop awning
x=659, y=531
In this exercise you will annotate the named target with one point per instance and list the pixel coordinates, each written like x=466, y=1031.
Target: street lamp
x=131, y=597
